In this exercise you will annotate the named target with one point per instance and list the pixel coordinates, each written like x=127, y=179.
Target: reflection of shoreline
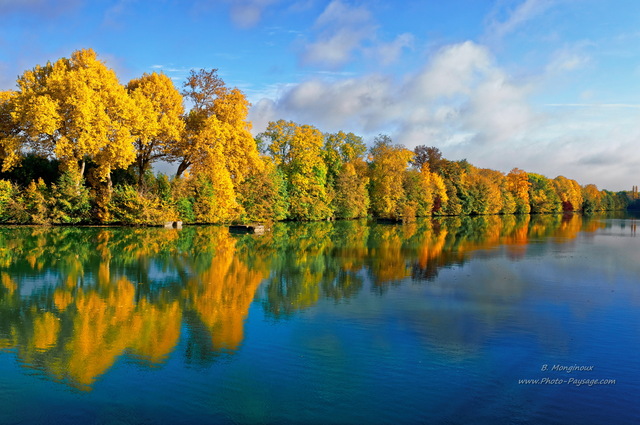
x=96, y=294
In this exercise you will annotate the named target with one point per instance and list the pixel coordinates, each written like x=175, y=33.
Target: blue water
x=345, y=323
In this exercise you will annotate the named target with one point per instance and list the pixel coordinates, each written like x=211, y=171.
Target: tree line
x=77, y=146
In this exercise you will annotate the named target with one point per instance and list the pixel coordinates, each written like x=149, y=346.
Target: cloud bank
x=463, y=102
x=459, y=91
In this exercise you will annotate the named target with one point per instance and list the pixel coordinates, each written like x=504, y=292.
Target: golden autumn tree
x=263, y=194
x=351, y=197
x=491, y=182
x=425, y=189
x=592, y=198
x=417, y=186
x=439, y=190
x=296, y=149
x=569, y=192
x=517, y=183
x=162, y=126
x=240, y=150
x=388, y=165
x=217, y=122
x=77, y=111
x=9, y=132
x=217, y=145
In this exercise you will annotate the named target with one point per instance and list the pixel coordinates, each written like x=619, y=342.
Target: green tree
x=263, y=194
x=347, y=178
x=71, y=202
x=351, y=194
x=296, y=149
x=542, y=195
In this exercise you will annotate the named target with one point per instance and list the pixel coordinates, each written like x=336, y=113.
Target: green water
x=331, y=322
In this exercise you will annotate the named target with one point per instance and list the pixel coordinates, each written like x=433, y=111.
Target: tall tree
x=217, y=141
x=569, y=192
x=517, y=183
x=76, y=110
x=388, y=165
x=201, y=89
x=162, y=121
x=296, y=149
x=216, y=109
x=592, y=198
x=347, y=178
x=340, y=148
x=542, y=195
x=351, y=199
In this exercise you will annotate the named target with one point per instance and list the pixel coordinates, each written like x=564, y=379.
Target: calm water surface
x=447, y=321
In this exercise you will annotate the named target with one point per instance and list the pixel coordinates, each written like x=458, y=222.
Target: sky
x=548, y=86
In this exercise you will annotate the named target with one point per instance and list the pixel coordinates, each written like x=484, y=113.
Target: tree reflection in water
x=73, y=300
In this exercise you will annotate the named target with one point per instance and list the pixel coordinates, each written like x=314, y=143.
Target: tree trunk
x=182, y=168
x=142, y=168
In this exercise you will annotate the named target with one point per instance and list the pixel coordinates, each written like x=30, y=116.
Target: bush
x=7, y=194
x=70, y=200
x=36, y=202
x=128, y=206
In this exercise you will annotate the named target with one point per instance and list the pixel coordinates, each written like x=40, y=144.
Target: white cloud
x=500, y=26
x=343, y=31
x=247, y=13
x=460, y=90
x=453, y=71
x=388, y=53
x=244, y=13
x=568, y=59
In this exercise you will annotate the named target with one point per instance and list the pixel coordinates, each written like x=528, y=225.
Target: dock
x=257, y=229
x=389, y=220
x=173, y=225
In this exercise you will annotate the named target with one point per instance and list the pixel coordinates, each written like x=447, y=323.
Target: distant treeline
x=78, y=147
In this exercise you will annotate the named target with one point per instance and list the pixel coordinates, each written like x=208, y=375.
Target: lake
x=483, y=320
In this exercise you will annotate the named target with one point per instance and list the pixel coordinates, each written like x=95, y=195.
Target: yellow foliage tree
x=217, y=143
x=76, y=110
x=439, y=190
x=162, y=124
x=569, y=192
x=240, y=150
x=9, y=132
x=518, y=185
x=492, y=181
x=388, y=165
x=221, y=112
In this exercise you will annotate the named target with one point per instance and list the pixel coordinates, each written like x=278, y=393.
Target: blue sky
x=549, y=86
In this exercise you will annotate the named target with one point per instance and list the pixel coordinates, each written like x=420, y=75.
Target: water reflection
x=73, y=301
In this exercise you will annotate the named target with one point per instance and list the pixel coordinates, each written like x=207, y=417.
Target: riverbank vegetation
x=77, y=146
